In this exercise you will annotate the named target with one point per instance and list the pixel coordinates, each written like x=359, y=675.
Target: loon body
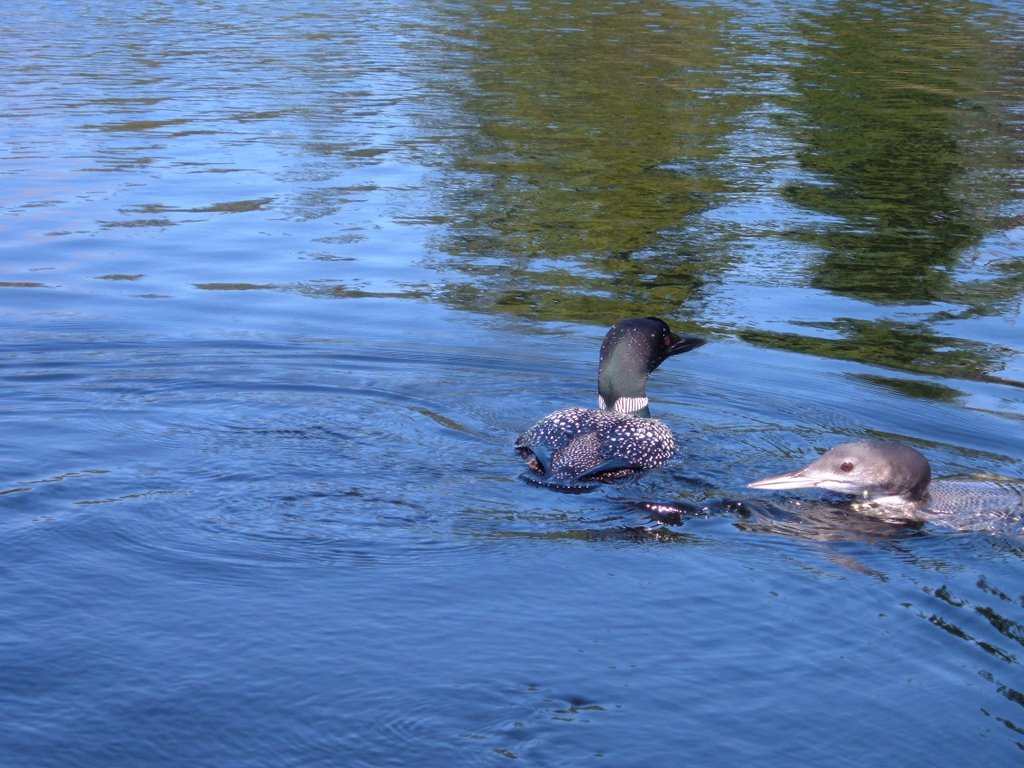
x=574, y=448
x=893, y=481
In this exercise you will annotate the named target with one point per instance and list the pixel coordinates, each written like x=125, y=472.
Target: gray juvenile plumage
x=574, y=448
x=893, y=480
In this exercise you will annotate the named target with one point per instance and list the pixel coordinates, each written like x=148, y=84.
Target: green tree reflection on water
x=592, y=132
x=595, y=137
x=899, y=120
x=881, y=131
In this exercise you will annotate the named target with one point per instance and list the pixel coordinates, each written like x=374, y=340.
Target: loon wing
x=613, y=465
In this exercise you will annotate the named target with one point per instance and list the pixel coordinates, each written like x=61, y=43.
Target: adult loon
x=575, y=448
x=893, y=481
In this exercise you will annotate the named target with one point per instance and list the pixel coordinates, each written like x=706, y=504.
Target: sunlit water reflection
x=280, y=286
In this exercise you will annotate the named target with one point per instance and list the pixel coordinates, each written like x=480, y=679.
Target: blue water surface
x=280, y=285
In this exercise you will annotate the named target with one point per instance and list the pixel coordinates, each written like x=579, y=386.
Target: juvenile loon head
x=878, y=471
x=631, y=350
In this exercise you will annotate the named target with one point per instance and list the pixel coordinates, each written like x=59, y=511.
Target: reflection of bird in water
x=574, y=448
x=892, y=481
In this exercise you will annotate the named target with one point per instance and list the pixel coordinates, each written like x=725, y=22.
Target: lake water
x=281, y=283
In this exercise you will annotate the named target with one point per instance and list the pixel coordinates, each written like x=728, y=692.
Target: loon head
x=629, y=352
x=881, y=472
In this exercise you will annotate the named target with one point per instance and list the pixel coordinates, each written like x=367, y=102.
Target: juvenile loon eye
x=846, y=466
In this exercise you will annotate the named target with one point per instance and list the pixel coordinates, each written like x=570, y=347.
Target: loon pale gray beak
x=786, y=481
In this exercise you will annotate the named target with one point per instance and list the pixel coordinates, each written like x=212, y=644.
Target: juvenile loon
x=574, y=448
x=893, y=481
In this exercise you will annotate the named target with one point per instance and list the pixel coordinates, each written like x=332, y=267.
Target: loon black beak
x=683, y=344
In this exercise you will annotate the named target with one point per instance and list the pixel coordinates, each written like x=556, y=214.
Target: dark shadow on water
x=813, y=522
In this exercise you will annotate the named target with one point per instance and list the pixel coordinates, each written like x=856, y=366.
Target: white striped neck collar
x=624, y=404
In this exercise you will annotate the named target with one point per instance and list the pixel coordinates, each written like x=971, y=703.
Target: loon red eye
x=846, y=466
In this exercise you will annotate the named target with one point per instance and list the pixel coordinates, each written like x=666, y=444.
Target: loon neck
x=622, y=381
x=892, y=500
x=907, y=487
x=634, y=406
x=895, y=507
